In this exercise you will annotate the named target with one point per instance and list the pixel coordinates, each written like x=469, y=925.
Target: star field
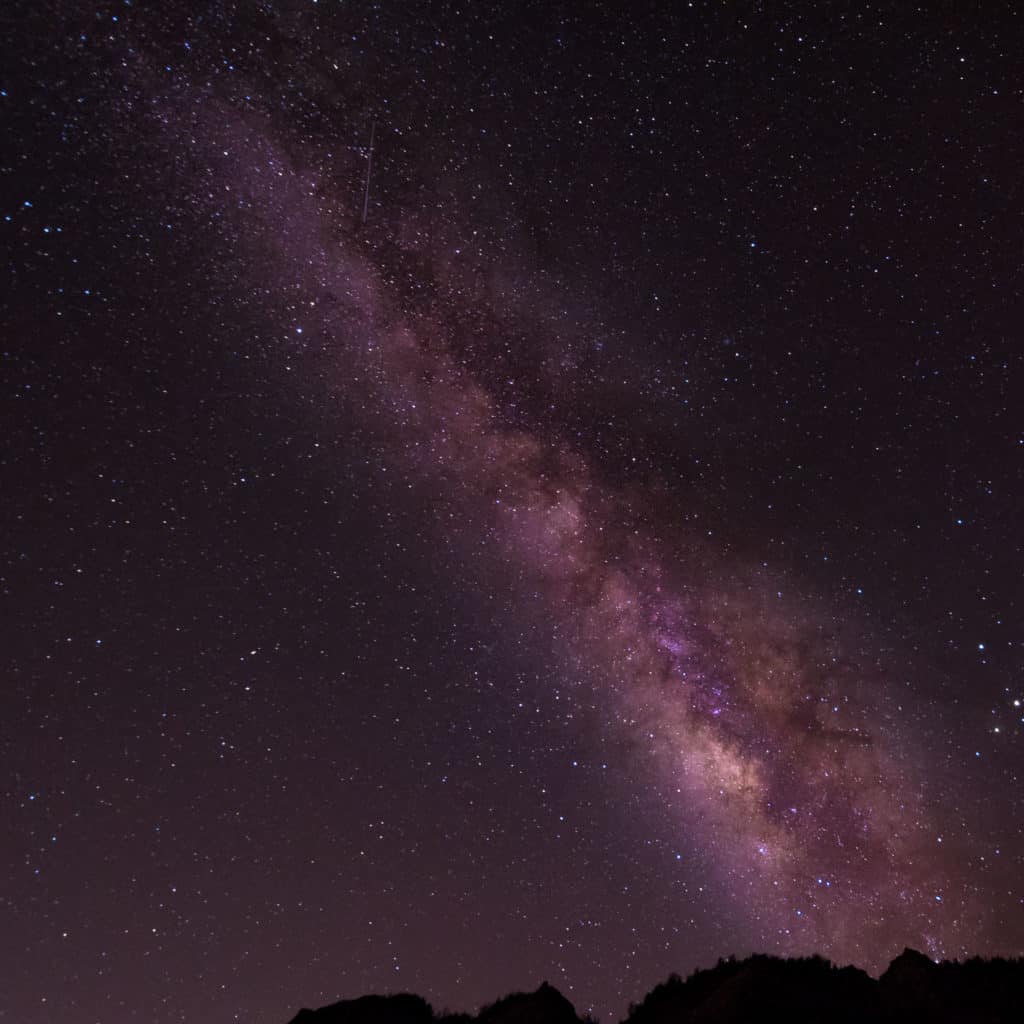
x=504, y=493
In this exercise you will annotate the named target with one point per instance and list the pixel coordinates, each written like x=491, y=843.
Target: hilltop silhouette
x=756, y=990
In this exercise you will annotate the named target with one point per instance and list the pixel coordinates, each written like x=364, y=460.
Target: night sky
x=603, y=557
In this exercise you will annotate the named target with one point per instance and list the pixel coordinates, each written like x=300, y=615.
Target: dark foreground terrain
x=758, y=989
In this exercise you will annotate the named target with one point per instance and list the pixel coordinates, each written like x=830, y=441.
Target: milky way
x=768, y=729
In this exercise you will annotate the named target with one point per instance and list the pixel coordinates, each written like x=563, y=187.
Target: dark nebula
x=577, y=539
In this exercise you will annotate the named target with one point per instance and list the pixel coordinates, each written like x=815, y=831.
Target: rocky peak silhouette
x=395, y=1009
x=545, y=1006
x=761, y=989
x=910, y=963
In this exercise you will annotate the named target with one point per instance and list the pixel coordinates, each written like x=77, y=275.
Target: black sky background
x=282, y=720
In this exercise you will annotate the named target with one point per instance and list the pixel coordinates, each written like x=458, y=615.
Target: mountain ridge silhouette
x=760, y=988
